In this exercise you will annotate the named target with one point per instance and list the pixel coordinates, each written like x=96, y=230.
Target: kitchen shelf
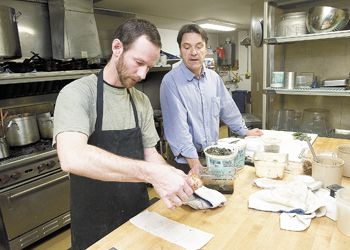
x=10, y=78
x=308, y=37
x=306, y=91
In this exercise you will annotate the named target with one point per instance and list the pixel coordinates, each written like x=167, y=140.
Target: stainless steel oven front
x=34, y=208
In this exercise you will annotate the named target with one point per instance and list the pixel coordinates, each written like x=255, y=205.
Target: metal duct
x=73, y=29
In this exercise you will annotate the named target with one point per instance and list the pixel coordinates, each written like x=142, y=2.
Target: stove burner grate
x=39, y=146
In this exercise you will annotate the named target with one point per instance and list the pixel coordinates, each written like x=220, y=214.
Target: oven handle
x=19, y=194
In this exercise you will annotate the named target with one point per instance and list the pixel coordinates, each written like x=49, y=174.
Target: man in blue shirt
x=193, y=101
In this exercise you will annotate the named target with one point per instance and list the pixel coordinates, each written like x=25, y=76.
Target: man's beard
x=125, y=79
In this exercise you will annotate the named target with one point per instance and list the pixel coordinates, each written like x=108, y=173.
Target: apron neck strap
x=99, y=103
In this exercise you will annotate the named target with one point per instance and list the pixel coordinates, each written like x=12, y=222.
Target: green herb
x=301, y=136
x=218, y=151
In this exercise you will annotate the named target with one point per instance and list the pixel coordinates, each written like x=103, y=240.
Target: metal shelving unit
x=308, y=37
x=307, y=91
x=273, y=10
x=10, y=78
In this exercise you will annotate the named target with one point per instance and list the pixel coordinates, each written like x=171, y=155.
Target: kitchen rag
x=204, y=198
x=294, y=200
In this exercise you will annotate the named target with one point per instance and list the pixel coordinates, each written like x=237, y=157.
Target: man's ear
x=117, y=47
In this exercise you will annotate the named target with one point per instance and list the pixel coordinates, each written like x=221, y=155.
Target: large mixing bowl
x=326, y=19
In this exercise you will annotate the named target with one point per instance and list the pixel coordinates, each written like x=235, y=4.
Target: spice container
x=343, y=210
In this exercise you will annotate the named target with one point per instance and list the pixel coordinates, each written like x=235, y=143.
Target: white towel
x=294, y=200
x=204, y=198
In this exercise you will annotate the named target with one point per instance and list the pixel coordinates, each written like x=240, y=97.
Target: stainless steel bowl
x=326, y=19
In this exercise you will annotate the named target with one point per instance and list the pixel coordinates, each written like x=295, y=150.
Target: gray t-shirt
x=75, y=110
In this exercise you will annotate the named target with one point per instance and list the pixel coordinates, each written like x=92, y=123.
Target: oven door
x=27, y=206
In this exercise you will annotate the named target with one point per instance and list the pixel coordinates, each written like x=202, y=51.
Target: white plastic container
x=220, y=171
x=328, y=169
x=277, y=80
x=270, y=165
x=343, y=210
x=343, y=152
x=237, y=144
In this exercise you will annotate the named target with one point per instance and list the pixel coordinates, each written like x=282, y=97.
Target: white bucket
x=238, y=145
x=220, y=171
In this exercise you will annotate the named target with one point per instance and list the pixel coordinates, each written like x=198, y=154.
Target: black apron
x=99, y=207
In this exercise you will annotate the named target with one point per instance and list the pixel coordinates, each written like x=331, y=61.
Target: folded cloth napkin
x=204, y=198
x=294, y=200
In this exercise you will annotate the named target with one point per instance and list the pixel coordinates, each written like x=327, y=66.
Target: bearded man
x=105, y=137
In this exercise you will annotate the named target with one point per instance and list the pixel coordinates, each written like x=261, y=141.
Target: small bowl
x=326, y=19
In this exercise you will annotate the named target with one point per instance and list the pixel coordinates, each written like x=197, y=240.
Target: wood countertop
x=235, y=226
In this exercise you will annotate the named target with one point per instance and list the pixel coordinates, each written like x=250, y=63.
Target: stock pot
x=22, y=129
x=4, y=150
x=45, y=123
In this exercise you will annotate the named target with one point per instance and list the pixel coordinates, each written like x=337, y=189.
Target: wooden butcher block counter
x=234, y=226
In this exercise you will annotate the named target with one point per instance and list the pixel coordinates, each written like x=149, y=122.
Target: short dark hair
x=133, y=28
x=191, y=28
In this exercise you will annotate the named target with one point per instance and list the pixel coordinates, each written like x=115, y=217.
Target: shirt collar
x=188, y=73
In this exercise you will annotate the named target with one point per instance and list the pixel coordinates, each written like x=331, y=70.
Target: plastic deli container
x=343, y=210
x=270, y=165
x=328, y=169
x=220, y=171
x=238, y=145
x=343, y=152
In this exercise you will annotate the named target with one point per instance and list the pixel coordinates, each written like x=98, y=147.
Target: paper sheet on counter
x=288, y=144
x=172, y=231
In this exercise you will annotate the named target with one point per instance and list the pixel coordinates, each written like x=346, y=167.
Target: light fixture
x=212, y=24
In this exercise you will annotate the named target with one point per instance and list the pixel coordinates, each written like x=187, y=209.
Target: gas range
x=27, y=162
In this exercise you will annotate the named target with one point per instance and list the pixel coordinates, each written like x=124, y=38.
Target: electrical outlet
x=84, y=54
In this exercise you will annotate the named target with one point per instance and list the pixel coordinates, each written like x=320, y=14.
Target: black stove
x=27, y=162
x=24, y=151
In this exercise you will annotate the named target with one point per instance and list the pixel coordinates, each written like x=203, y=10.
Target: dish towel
x=294, y=200
x=204, y=198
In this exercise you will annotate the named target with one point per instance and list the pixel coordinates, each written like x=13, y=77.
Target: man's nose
x=193, y=51
x=142, y=72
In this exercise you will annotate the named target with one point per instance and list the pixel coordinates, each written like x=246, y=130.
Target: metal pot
x=22, y=130
x=9, y=39
x=45, y=124
x=4, y=149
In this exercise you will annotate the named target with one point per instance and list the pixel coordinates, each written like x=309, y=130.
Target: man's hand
x=172, y=185
x=254, y=132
